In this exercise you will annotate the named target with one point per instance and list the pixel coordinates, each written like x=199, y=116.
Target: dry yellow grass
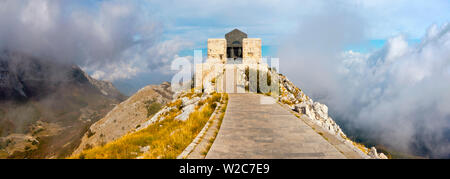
x=166, y=138
x=361, y=147
x=191, y=94
x=176, y=103
x=290, y=103
x=220, y=119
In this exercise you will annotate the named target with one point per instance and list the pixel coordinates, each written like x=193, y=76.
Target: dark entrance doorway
x=234, y=44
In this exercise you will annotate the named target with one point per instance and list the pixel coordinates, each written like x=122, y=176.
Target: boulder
x=144, y=149
x=373, y=153
x=187, y=110
x=382, y=156
x=153, y=119
x=187, y=101
x=300, y=108
x=321, y=110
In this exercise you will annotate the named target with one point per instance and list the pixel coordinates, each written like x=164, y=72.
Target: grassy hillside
x=164, y=139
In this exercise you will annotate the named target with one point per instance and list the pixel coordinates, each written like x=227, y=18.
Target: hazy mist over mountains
x=397, y=95
x=46, y=106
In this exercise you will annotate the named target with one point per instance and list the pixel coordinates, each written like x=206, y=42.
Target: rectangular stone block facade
x=251, y=51
x=217, y=51
x=251, y=48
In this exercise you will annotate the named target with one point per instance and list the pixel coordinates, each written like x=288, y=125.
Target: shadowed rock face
x=24, y=77
x=50, y=102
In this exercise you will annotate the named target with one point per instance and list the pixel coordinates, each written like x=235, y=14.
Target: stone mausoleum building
x=235, y=48
x=227, y=61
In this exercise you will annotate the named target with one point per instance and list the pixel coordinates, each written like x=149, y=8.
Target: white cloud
x=397, y=95
x=397, y=47
x=100, y=37
x=38, y=15
x=136, y=60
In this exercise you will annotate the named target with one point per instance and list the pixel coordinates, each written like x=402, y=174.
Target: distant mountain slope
x=127, y=116
x=46, y=106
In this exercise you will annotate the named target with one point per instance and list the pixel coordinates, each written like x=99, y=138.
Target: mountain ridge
x=46, y=105
x=127, y=116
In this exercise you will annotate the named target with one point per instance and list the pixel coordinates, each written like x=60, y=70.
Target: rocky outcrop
x=105, y=87
x=127, y=116
x=18, y=143
x=188, y=107
x=318, y=113
x=184, y=102
x=315, y=110
x=374, y=154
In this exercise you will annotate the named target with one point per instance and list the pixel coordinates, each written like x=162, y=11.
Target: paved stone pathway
x=255, y=128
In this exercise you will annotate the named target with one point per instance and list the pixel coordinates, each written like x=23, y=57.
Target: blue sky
x=373, y=45
x=195, y=20
x=368, y=23
x=104, y=36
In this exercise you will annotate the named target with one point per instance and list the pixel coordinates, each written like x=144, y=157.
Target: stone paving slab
x=255, y=128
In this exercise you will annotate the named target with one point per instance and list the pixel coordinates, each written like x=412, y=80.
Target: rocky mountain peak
x=60, y=95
